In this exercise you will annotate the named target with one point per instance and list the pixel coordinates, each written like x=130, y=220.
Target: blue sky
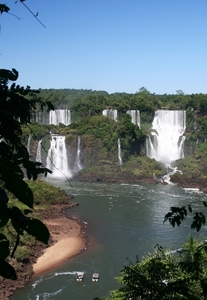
x=110, y=45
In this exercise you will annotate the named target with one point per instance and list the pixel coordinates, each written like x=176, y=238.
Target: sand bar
x=68, y=242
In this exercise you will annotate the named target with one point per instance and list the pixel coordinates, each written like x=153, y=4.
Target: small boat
x=79, y=276
x=95, y=277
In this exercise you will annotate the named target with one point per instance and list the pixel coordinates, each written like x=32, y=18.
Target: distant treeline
x=85, y=103
x=89, y=101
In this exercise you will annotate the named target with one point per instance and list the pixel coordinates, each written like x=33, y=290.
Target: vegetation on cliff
x=194, y=169
x=99, y=134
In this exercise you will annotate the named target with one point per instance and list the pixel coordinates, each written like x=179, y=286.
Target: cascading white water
x=57, y=159
x=39, y=117
x=135, y=115
x=77, y=165
x=39, y=152
x=28, y=143
x=119, y=152
x=60, y=116
x=111, y=113
x=167, y=136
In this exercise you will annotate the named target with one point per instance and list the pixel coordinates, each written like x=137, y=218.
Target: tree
x=178, y=214
x=16, y=105
x=164, y=275
x=202, y=104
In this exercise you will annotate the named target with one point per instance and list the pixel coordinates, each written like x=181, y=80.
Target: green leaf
x=21, y=190
x=36, y=228
x=7, y=271
x=4, y=8
x=29, y=174
x=50, y=105
x=27, y=211
x=4, y=218
x=3, y=197
x=7, y=74
x=4, y=247
x=190, y=208
x=203, y=219
x=17, y=219
x=3, y=208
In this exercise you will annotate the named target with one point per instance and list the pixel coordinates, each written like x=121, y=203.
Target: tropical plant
x=166, y=275
x=16, y=105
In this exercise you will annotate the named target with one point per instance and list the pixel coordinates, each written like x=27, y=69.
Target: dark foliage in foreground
x=16, y=104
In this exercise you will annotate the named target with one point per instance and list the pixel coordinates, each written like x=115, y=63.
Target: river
x=121, y=221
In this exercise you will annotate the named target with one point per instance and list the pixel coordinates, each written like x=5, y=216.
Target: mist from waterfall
x=77, y=165
x=39, y=152
x=166, y=142
x=57, y=158
x=60, y=116
x=135, y=115
x=119, y=152
x=111, y=113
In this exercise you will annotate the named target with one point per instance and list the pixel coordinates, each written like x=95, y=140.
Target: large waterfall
x=57, y=159
x=60, y=116
x=111, y=113
x=135, y=115
x=167, y=136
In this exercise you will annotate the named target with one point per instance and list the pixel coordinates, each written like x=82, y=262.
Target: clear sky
x=110, y=45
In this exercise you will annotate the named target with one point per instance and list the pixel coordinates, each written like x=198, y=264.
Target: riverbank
x=59, y=231
x=67, y=239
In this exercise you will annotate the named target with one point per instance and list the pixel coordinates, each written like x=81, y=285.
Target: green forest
x=100, y=134
x=160, y=275
x=87, y=103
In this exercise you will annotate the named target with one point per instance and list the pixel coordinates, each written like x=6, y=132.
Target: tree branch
x=35, y=15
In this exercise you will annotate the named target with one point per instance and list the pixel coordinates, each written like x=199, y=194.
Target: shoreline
x=67, y=234
x=8, y=287
x=68, y=241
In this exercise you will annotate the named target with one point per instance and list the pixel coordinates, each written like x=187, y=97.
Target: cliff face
x=90, y=150
x=194, y=170
x=89, y=160
x=90, y=153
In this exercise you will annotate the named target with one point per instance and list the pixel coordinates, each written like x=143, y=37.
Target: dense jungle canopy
x=86, y=103
x=89, y=102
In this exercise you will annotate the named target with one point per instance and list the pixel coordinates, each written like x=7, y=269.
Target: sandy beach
x=68, y=242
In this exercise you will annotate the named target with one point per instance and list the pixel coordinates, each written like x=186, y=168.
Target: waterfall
x=77, y=165
x=111, y=113
x=28, y=143
x=38, y=117
x=167, y=140
x=119, y=152
x=57, y=159
x=39, y=150
x=135, y=115
x=60, y=116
